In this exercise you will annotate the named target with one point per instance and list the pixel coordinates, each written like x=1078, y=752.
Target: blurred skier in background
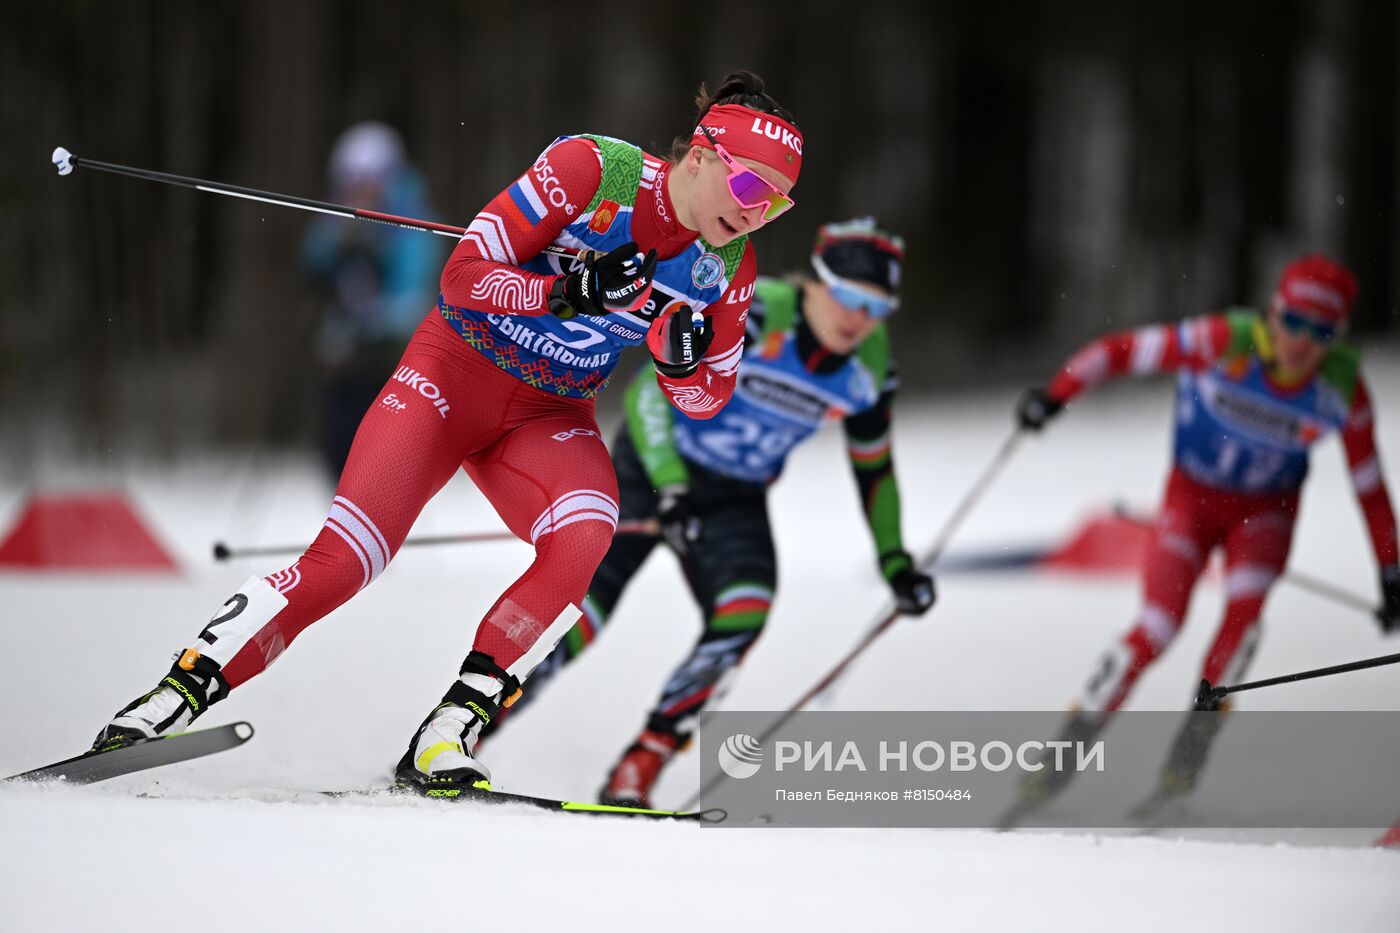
x=376, y=279
x=499, y=380
x=816, y=349
x=1254, y=393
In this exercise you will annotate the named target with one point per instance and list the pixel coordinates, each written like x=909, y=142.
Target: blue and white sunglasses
x=853, y=296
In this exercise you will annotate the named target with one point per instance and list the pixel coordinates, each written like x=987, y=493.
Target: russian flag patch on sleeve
x=528, y=200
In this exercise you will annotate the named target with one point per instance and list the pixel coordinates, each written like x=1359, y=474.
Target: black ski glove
x=680, y=523
x=615, y=282
x=677, y=343
x=1389, y=613
x=1036, y=408
x=914, y=592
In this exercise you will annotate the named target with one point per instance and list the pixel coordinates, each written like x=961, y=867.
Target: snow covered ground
x=336, y=710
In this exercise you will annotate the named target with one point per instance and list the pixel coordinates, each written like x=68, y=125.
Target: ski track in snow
x=231, y=838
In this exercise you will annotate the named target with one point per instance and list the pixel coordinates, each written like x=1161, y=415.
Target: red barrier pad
x=1105, y=543
x=94, y=531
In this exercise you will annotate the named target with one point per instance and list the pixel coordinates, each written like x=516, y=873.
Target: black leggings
x=731, y=570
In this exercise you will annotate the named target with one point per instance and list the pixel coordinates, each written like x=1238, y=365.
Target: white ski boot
x=193, y=685
x=439, y=761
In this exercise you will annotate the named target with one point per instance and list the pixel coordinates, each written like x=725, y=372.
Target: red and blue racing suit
x=494, y=384
x=1239, y=461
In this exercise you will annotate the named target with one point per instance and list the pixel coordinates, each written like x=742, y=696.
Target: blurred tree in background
x=1055, y=168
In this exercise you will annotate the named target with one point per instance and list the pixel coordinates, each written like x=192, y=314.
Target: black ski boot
x=1184, y=763
x=1040, y=787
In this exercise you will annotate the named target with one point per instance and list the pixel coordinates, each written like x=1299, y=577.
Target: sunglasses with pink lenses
x=750, y=189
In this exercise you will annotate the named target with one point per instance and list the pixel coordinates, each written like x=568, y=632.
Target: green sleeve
x=1342, y=370
x=1247, y=332
x=650, y=424
x=868, y=444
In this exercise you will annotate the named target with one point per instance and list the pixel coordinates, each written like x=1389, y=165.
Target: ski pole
x=890, y=616
x=884, y=623
x=644, y=526
x=1297, y=578
x=65, y=162
x=970, y=498
x=1322, y=588
x=973, y=495
x=1208, y=693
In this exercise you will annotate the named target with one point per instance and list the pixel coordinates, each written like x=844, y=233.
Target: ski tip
x=244, y=730
x=221, y=551
x=63, y=161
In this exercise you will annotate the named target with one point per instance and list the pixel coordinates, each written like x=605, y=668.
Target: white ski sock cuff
x=245, y=614
x=483, y=683
x=543, y=645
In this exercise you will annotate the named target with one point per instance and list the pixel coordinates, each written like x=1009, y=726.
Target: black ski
x=493, y=797
x=153, y=753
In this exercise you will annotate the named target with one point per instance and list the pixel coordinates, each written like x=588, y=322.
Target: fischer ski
x=492, y=797
x=91, y=767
